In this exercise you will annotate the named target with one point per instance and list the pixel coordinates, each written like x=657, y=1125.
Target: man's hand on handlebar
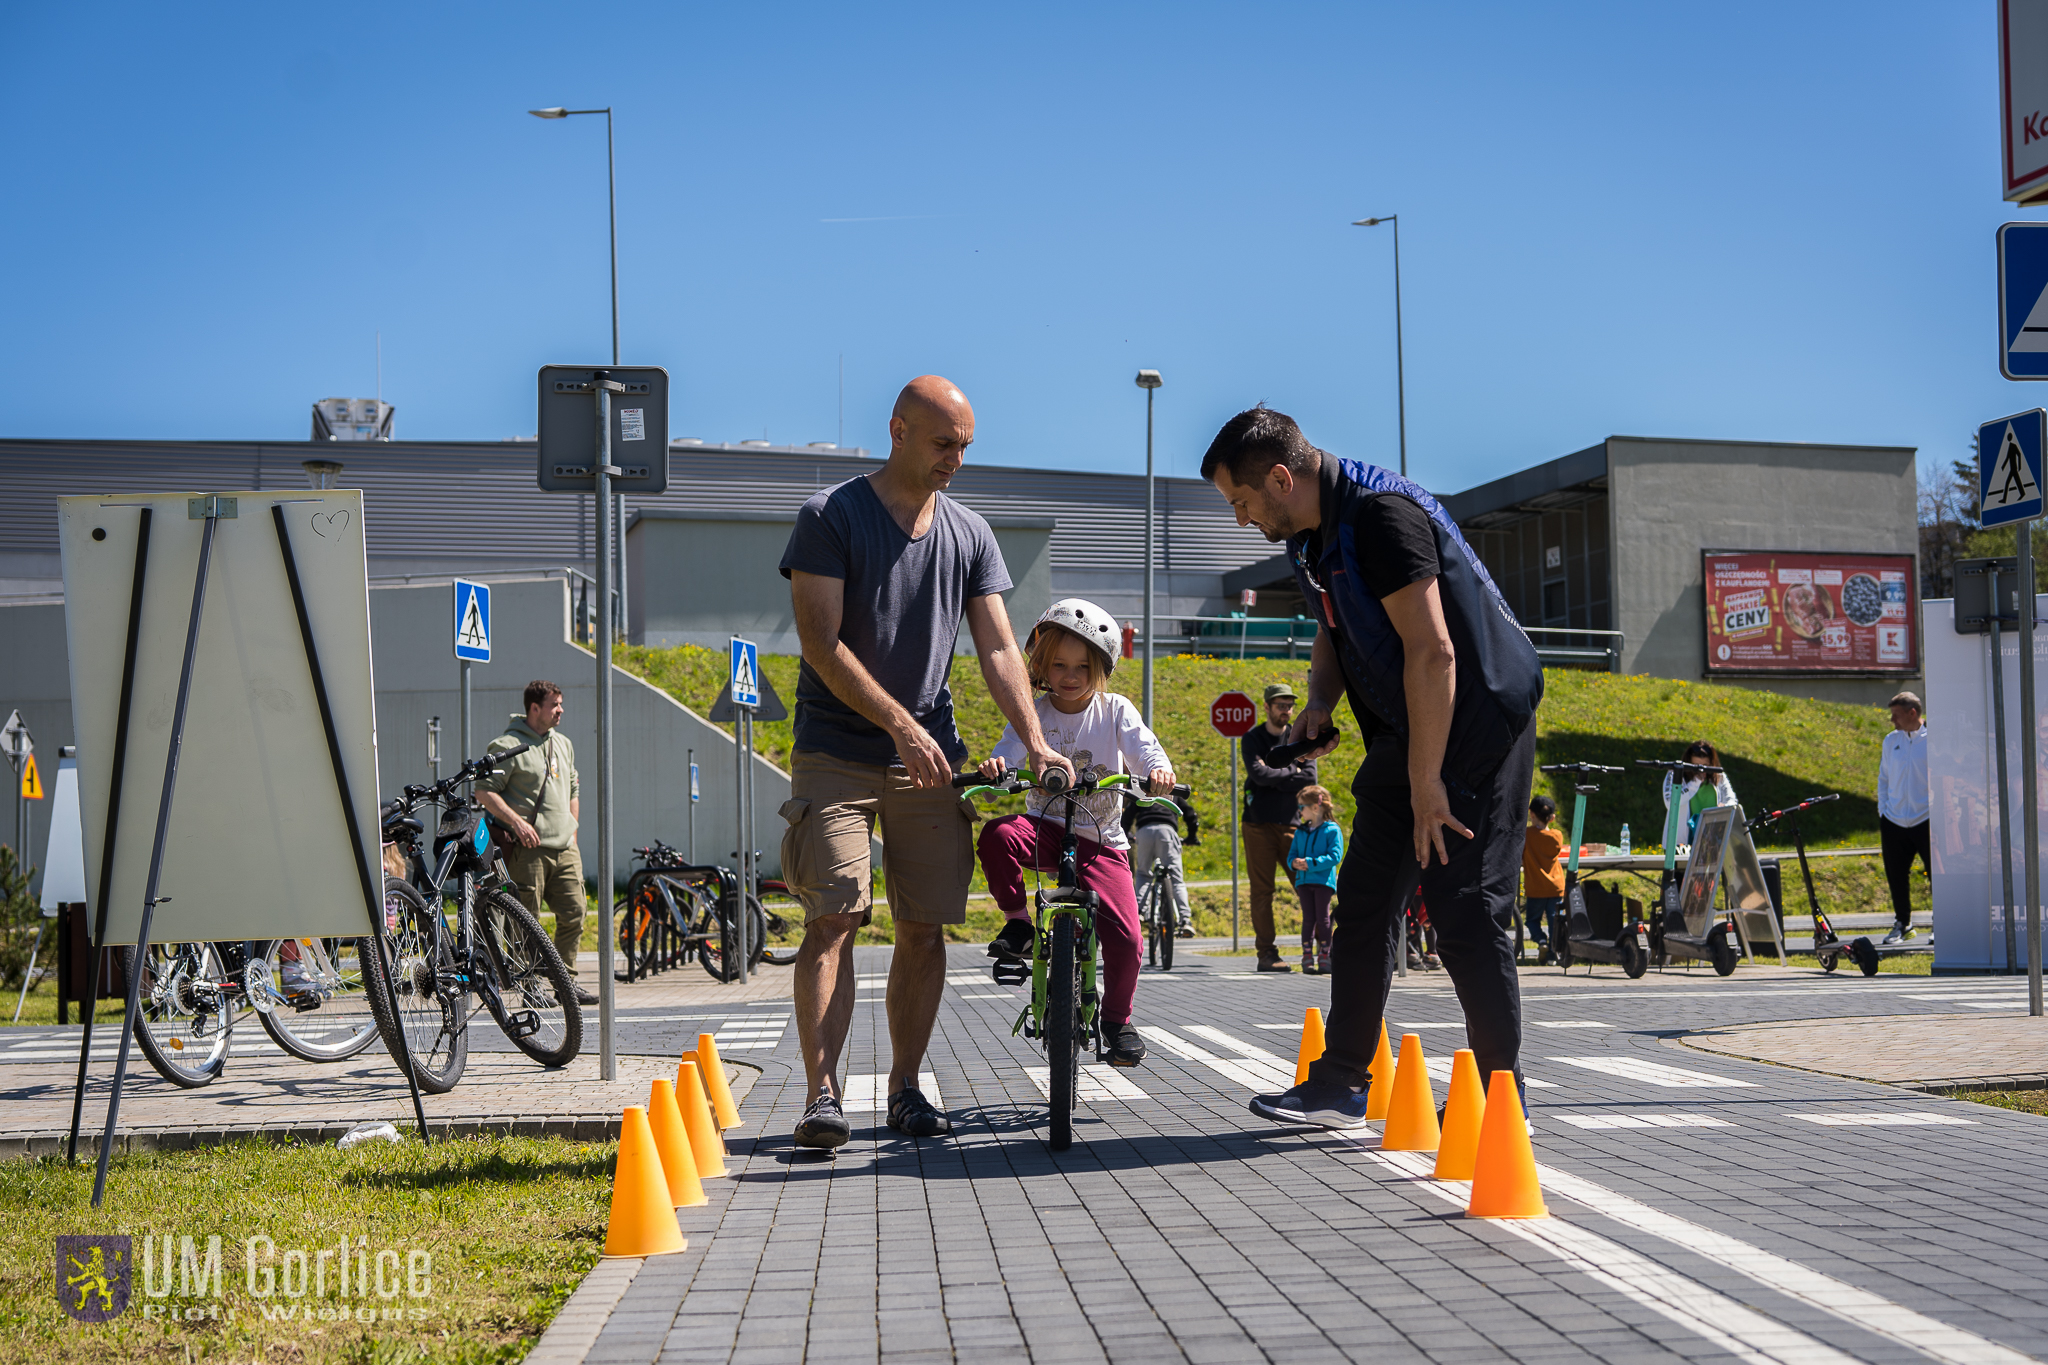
x=1044, y=760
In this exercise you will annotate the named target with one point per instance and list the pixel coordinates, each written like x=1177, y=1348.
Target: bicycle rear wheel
x=1165, y=923
x=535, y=1003
x=719, y=928
x=780, y=911
x=432, y=1024
x=1063, y=1029
x=186, y=1008
x=309, y=994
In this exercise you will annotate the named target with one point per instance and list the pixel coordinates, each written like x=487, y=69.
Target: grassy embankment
x=1777, y=749
x=510, y=1225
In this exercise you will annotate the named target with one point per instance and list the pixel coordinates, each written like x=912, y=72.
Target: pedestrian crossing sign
x=31, y=780
x=746, y=673
x=2009, y=468
x=2023, y=300
x=472, y=622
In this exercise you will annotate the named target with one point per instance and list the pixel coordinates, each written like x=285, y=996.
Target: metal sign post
x=746, y=696
x=1232, y=715
x=14, y=735
x=2009, y=464
x=472, y=642
x=690, y=756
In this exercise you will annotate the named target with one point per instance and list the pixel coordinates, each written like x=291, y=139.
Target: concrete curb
x=575, y=1329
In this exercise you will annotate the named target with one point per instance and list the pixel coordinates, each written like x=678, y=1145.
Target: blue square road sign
x=746, y=673
x=472, y=622
x=2023, y=300
x=2009, y=468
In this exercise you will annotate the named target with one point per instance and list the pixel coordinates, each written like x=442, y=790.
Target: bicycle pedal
x=1011, y=973
x=524, y=1024
x=310, y=1000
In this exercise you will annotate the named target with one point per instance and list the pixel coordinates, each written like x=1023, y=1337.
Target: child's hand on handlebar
x=1160, y=782
x=992, y=769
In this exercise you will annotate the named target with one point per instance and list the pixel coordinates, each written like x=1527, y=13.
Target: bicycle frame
x=1067, y=899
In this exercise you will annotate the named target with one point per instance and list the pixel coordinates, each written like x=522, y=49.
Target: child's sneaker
x=1013, y=944
x=1309, y=968
x=1122, y=1045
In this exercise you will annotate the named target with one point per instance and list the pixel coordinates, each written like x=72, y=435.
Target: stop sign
x=1233, y=715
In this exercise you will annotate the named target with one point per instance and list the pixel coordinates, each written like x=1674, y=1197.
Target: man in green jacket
x=535, y=796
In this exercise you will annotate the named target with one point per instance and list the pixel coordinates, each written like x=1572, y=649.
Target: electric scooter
x=1713, y=939
x=1579, y=939
x=1829, y=946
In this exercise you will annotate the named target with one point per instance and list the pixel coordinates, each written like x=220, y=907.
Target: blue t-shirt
x=904, y=602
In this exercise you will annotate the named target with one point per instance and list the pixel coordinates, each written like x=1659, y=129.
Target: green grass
x=1777, y=749
x=511, y=1225
x=2024, y=1101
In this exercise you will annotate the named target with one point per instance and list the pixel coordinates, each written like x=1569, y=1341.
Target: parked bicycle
x=308, y=994
x=1159, y=917
x=1061, y=1014
x=694, y=904
x=494, y=948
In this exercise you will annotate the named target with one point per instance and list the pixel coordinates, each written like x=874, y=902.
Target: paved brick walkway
x=1704, y=1206
x=1923, y=1051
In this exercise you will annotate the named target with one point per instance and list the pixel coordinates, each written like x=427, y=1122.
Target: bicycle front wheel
x=310, y=995
x=1063, y=1029
x=431, y=1026
x=779, y=911
x=535, y=1003
x=720, y=929
x=186, y=1008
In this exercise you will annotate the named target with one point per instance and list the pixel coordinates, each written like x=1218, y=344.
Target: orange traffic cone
x=1311, y=1043
x=705, y=1143
x=643, y=1221
x=727, y=1112
x=1463, y=1113
x=672, y=1140
x=1411, y=1116
x=1504, y=1175
x=1378, y=1095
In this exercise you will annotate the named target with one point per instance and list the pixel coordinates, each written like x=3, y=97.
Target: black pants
x=1901, y=844
x=1471, y=907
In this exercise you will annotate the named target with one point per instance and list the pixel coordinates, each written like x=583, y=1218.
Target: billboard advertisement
x=1782, y=611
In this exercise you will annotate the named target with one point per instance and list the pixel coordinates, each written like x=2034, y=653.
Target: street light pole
x=1400, y=377
x=1149, y=381
x=611, y=175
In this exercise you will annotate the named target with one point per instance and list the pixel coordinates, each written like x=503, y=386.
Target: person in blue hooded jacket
x=1313, y=857
x=1444, y=685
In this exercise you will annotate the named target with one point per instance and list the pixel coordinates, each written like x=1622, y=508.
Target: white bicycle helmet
x=1085, y=619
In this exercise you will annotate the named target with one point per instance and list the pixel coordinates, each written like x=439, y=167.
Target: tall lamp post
x=1149, y=381
x=1400, y=379
x=618, y=500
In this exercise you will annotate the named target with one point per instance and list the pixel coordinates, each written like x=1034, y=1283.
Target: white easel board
x=257, y=843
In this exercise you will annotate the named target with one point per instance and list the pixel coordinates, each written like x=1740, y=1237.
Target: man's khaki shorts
x=927, y=841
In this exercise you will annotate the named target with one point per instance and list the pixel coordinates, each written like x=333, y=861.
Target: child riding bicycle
x=1154, y=833
x=1072, y=651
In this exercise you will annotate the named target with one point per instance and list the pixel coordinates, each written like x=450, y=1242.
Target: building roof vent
x=352, y=419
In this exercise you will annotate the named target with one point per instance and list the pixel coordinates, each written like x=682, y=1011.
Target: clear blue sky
x=1760, y=221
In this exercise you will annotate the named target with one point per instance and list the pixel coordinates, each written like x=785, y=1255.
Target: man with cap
x=1903, y=829
x=1268, y=821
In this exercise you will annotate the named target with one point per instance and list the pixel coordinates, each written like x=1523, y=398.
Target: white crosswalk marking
x=1099, y=1081
x=1741, y=1331
x=1650, y=1073
x=869, y=1094
x=1257, y=1077
x=1440, y=1070
x=1281, y=1068
x=1604, y=1121
x=1905, y=1118
x=1571, y=1023
x=751, y=1033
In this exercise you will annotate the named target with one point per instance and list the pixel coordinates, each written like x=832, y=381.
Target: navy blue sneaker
x=1320, y=1105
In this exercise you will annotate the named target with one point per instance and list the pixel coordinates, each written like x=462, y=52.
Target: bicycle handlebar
x=469, y=771
x=1772, y=817
x=1677, y=765
x=1287, y=755
x=1581, y=768
x=1017, y=782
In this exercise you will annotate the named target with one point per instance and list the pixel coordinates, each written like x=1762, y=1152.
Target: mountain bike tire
x=341, y=1024
x=711, y=953
x=430, y=1032
x=187, y=1045
x=530, y=975
x=780, y=912
x=1165, y=924
x=1063, y=1030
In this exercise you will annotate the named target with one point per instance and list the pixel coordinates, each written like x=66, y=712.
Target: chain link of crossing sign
x=1233, y=715
x=2009, y=453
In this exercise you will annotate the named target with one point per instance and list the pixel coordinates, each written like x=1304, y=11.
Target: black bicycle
x=1061, y=1014
x=495, y=949
x=1159, y=917
x=673, y=911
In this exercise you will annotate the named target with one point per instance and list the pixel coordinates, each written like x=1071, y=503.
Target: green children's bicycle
x=1062, y=1012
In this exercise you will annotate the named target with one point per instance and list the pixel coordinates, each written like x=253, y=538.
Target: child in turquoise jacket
x=1317, y=849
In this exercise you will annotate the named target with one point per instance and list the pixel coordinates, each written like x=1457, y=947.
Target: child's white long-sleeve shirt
x=1108, y=737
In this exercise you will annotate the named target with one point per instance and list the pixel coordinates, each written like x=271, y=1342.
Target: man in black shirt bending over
x=1445, y=686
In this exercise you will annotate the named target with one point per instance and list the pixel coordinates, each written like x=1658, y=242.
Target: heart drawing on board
x=330, y=523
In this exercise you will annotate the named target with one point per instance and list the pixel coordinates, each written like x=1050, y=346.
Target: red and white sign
x=1793, y=612
x=1233, y=715
x=2023, y=83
